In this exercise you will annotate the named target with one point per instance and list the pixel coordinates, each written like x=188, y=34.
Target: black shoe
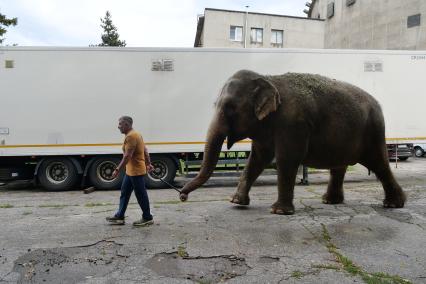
x=114, y=220
x=142, y=222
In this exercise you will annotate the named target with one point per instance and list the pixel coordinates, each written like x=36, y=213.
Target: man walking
x=136, y=161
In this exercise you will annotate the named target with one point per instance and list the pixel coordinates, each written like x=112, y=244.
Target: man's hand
x=149, y=168
x=115, y=173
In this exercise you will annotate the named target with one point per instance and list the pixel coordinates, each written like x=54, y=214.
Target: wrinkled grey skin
x=298, y=119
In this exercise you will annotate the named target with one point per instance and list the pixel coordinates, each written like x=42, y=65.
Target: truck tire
x=57, y=174
x=164, y=168
x=100, y=173
x=418, y=151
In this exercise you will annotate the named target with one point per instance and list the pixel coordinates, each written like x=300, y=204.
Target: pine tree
x=5, y=22
x=110, y=36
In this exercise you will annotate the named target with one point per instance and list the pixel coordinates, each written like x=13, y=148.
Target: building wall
x=297, y=32
x=372, y=24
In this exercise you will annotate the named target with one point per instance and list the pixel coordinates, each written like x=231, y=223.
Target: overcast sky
x=145, y=23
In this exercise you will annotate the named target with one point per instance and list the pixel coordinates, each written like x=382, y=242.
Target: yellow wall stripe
x=107, y=144
x=160, y=143
x=407, y=138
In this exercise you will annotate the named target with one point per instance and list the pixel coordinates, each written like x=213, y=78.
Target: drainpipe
x=245, y=27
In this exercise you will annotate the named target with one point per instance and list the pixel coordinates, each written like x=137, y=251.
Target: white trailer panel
x=66, y=101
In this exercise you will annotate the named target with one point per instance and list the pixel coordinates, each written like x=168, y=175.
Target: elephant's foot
x=240, y=199
x=282, y=209
x=394, y=201
x=332, y=199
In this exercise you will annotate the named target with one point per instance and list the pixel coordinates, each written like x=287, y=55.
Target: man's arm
x=128, y=154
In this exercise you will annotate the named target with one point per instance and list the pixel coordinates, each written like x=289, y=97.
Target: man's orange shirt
x=136, y=165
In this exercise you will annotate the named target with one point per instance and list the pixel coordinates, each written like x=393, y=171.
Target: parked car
x=419, y=150
x=400, y=151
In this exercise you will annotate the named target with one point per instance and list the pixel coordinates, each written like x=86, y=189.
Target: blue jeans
x=136, y=183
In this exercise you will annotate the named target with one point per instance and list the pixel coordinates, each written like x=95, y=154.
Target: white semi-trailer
x=59, y=106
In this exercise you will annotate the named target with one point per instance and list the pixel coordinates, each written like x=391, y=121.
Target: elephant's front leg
x=260, y=157
x=289, y=155
x=286, y=179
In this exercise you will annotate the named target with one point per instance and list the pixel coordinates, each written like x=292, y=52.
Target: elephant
x=298, y=119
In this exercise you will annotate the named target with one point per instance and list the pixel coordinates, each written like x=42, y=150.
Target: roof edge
x=265, y=14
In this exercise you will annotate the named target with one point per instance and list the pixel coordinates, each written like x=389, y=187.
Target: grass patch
x=297, y=274
x=53, y=206
x=92, y=204
x=6, y=206
x=104, y=211
x=383, y=278
x=181, y=251
x=204, y=282
x=168, y=202
x=350, y=267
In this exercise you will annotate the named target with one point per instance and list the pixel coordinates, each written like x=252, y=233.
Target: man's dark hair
x=127, y=119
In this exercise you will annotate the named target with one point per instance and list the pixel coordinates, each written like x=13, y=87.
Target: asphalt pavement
x=62, y=237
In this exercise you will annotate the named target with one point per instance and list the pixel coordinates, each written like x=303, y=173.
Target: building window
x=256, y=35
x=236, y=33
x=350, y=2
x=413, y=21
x=277, y=38
x=330, y=10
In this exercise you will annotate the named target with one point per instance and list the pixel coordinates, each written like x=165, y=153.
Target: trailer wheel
x=100, y=173
x=57, y=174
x=418, y=151
x=164, y=168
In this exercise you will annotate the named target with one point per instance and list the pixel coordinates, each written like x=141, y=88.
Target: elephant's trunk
x=215, y=138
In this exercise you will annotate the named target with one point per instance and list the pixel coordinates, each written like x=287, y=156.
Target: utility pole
x=245, y=26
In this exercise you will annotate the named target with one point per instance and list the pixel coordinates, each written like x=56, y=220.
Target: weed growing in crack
x=92, y=204
x=58, y=206
x=6, y=206
x=353, y=269
x=203, y=282
x=297, y=274
x=181, y=251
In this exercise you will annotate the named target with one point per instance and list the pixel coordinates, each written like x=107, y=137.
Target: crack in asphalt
x=394, y=214
x=94, y=244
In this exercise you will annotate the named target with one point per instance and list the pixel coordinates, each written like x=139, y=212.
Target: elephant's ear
x=266, y=98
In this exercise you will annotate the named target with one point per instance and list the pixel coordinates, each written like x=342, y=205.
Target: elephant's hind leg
x=394, y=196
x=334, y=194
x=379, y=164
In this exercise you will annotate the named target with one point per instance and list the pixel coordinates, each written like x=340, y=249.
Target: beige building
x=224, y=28
x=352, y=24
x=371, y=24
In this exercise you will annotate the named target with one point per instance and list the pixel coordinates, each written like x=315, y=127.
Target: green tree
x=5, y=22
x=110, y=37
